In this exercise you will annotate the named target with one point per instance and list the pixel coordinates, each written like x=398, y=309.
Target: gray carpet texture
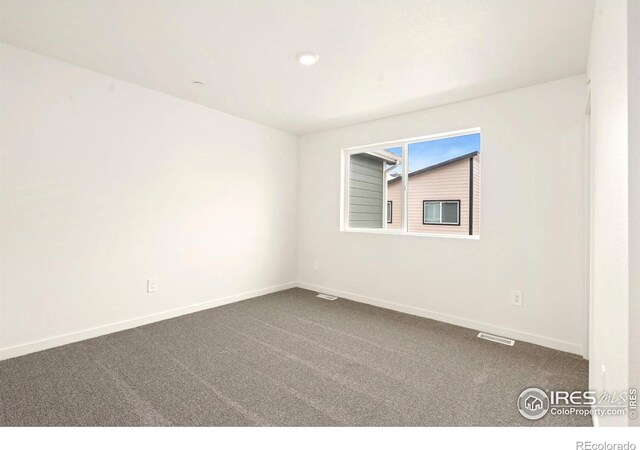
x=285, y=359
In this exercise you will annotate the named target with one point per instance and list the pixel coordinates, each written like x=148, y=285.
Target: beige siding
x=476, y=195
x=449, y=182
x=394, y=194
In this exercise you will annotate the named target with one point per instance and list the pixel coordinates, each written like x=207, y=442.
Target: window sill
x=402, y=233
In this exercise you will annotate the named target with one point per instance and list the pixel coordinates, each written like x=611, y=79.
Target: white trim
x=518, y=335
x=404, y=188
x=56, y=341
x=391, y=232
x=430, y=137
x=88, y=333
x=596, y=420
x=440, y=202
x=344, y=189
x=590, y=219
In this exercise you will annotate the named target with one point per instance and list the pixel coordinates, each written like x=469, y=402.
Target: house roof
x=385, y=155
x=437, y=166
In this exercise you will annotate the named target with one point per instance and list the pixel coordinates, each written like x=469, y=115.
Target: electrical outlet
x=316, y=264
x=516, y=298
x=152, y=285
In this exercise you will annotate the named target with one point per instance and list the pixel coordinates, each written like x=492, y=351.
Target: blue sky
x=428, y=153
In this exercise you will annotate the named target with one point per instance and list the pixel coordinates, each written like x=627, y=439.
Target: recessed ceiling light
x=307, y=58
x=198, y=83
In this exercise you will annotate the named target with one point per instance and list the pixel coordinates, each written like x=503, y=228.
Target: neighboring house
x=442, y=198
x=366, y=191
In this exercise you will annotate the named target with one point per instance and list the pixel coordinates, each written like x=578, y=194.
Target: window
x=441, y=212
x=397, y=187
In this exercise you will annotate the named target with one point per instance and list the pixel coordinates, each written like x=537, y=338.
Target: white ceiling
x=377, y=57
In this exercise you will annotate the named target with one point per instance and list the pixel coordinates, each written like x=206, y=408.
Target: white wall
x=633, y=26
x=532, y=230
x=104, y=184
x=609, y=144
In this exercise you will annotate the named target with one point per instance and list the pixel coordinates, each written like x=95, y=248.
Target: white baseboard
x=56, y=341
x=454, y=320
x=68, y=338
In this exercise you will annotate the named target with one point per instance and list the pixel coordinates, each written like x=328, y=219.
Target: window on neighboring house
x=441, y=212
x=395, y=187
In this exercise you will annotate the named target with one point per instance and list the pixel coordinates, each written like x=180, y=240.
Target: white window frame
x=404, y=143
x=440, y=202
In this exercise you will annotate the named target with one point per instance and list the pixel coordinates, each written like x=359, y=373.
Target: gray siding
x=365, y=192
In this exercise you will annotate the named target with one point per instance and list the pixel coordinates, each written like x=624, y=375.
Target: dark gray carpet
x=285, y=359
